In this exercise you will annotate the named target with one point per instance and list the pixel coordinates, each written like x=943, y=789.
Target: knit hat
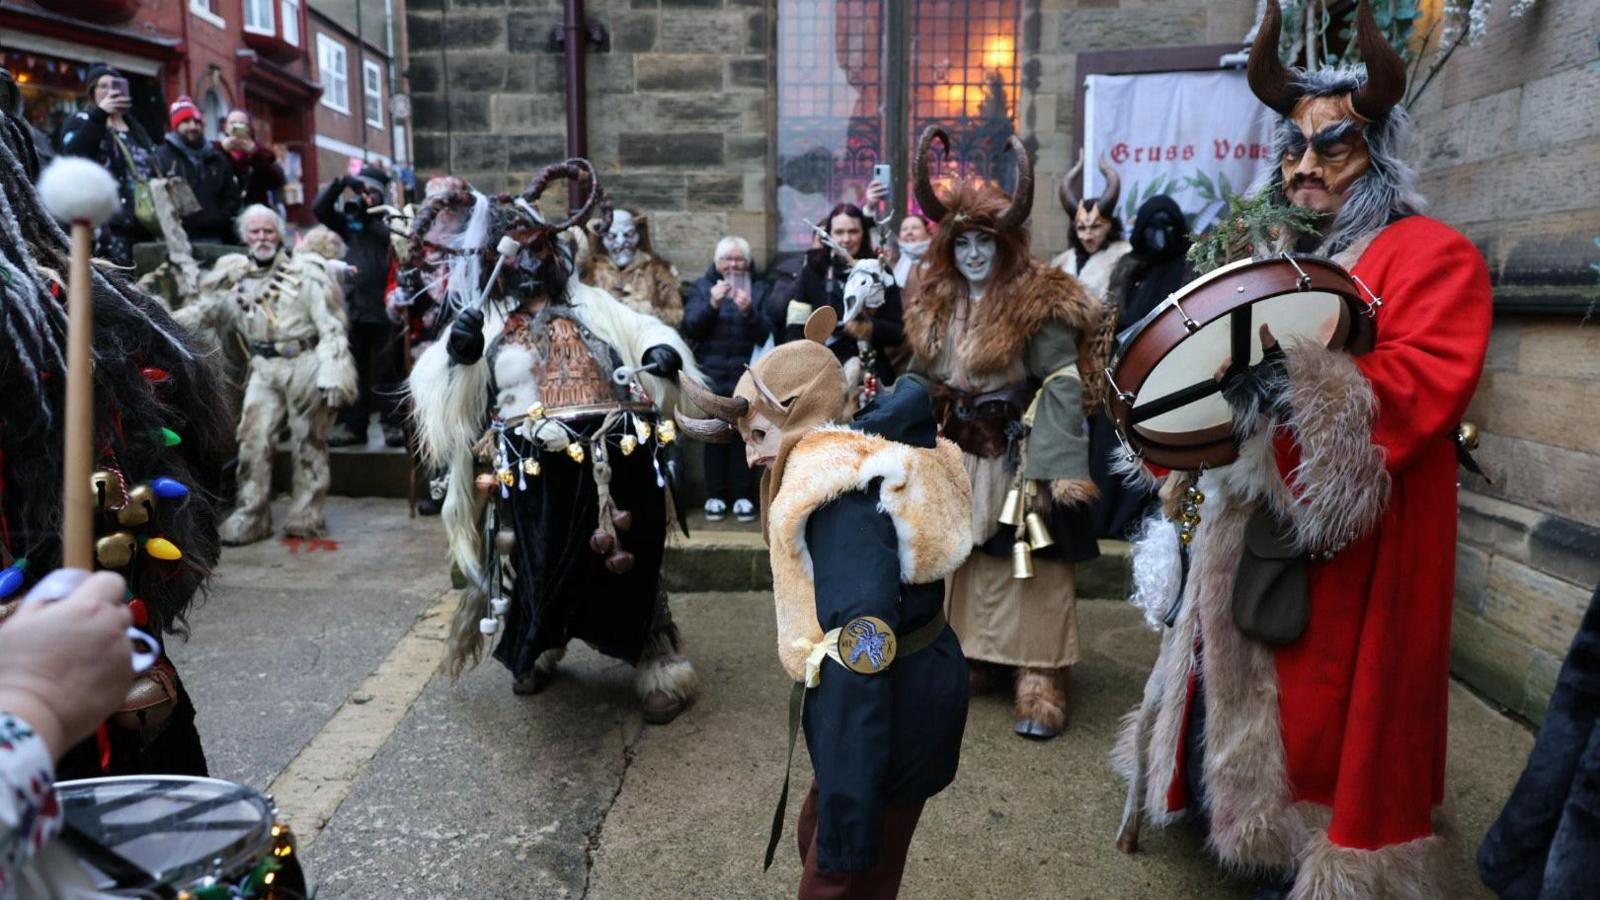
x=374, y=178
x=182, y=110
x=96, y=72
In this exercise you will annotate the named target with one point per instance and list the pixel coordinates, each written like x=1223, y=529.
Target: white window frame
x=372, y=76
x=270, y=7
x=289, y=17
x=202, y=10
x=330, y=74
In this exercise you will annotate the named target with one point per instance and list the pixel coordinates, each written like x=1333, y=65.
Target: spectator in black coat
x=822, y=282
x=187, y=154
x=104, y=132
x=724, y=319
x=374, y=338
x=256, y=166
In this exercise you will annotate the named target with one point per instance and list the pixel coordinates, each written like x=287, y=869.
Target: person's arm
x=336, y=369
x=811, y=293
x=1058, y=441
x=849, y=716
x=326, y=207
x=888, y=321
x=753, y=322
x=84, y=133
x=30, y=815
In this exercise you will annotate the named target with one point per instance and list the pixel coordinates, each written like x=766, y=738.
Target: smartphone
x=883, y=174
x=120, y=85
x=739, y=280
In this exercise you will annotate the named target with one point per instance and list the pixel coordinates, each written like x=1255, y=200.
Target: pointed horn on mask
x=766, y=392
x=709, y=431
x=927, y=198
x=1069, y=197
x=727, y=409
x=1269, y=78
x=1022, y=200
x=1386, y=71
x=1107, y=204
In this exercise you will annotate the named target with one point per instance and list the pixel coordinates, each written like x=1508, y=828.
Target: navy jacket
x=723, y=336
x=366, y=241
x=213, y=183
x=895, y=736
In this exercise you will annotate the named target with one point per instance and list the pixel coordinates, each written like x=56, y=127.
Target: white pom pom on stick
x=78, y=190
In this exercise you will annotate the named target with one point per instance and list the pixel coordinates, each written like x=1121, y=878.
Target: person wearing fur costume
x=629, y=269
x=1000, y=337
x=1095, y=242
x=284, y=309
x=864, y=522
x=569, y=541
x=1316, y=754
x=161, y=438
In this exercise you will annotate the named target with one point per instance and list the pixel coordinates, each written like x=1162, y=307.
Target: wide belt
x=285, y=349
x=843, y=652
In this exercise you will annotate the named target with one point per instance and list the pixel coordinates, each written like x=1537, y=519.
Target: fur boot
x=1041, y=707
x=544, y=672
x=666, y=680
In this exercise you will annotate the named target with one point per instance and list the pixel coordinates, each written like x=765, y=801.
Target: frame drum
x=1164, y=398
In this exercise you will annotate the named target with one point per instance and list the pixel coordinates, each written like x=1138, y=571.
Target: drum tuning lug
x=1190, y=324
x=1304, y=281
x=1374, y=304
x=1124, y=396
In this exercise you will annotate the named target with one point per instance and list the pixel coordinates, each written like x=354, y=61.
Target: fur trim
x=672, y=675
x=1416, y=870
x=1071, y=491
x=1005, y=322
x=1157, y=569
x=1041, y=695
x=1341, y=485
x=925, y=492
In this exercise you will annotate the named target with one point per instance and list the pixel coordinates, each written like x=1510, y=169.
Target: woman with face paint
x=1000, y=336
x=822, y=284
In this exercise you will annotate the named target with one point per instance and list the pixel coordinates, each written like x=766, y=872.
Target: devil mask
x=1094, y=222
x=622, y=238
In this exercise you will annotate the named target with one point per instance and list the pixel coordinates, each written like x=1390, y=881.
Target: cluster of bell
x=132, y=507
x=1013, y=512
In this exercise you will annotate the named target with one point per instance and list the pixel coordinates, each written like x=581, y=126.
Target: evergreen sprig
x=1248, y=223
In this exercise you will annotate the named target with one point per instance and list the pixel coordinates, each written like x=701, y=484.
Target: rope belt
x=860, y=637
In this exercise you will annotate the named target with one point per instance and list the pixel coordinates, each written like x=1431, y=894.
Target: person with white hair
x=724, y=322
x=285, y=310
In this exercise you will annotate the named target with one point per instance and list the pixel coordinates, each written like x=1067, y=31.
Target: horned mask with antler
x=1340, y=132
x=1094, y=219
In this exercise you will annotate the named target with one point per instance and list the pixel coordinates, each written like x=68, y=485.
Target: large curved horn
x=710, y=431
x=727, y=409
x=577, y=169
x=931, y=205
x=1022, y=200
x=1269, y=78
x=1107, y=204
x=1069, y=198
x=1386, y=71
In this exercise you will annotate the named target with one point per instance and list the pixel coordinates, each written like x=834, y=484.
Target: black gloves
x=666, y=361
x=1257, y=392
x=465, y=344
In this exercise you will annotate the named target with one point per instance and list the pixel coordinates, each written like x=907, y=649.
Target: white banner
x=1190, y=135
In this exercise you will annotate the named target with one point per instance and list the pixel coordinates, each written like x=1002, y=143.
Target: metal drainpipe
x=573, y=37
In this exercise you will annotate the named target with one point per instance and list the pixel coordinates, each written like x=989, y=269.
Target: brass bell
x=602, y=543
x=1467, y=436
x=114, y=550
x=619, y=562
x=108, y=491
x=1039, y=536
x=141, y=506
x=1011, y=510
x=622, y=520
x=1021, y=560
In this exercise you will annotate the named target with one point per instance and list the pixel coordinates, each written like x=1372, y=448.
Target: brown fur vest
x=1002, y=325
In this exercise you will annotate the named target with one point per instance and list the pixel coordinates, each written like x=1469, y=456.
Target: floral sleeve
x=29, y=814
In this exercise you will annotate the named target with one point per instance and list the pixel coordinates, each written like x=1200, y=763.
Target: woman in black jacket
x=822, y=284
x=104, y=132
x=724, y=321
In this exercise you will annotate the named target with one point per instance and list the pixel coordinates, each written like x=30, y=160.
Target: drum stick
x=82, y=195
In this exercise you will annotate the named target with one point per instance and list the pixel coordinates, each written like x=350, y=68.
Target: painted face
x=1327, y=152
x=622, y=238
x=975, y=254
x=261, y=234
x=1091, y=227
x=847, y=231
x=762, y=439
x=913, y=230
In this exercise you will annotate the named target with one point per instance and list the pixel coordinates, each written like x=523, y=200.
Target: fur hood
x=1009, y=316
x=924, y=491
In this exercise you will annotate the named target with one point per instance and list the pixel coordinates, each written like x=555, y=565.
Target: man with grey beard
x=286, y=311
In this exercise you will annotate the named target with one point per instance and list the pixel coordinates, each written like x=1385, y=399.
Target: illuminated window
x=965, y=77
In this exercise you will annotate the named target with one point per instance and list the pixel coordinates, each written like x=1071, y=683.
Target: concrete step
x=726, y=556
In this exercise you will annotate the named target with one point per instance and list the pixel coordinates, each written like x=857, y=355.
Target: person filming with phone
x=104, y=132
x=254, y=165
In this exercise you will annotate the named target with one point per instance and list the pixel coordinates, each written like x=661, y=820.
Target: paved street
x=314, y=675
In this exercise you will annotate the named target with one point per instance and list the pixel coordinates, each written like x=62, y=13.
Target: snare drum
x=1163, y=394
x=169, y=836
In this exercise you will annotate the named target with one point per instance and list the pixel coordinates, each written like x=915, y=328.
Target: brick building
x=358, y=48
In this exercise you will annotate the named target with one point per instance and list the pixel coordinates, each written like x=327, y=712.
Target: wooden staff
x=83, y=195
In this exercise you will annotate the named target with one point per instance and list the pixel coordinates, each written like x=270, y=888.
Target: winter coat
x=367, y=247
x=86, y=134
x=722, y=336
x=211, y=179
x=260, y=177
x=823, y=285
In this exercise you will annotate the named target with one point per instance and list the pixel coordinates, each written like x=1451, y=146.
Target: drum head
x=177, y=829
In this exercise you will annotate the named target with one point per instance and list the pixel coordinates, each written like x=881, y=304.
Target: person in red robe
x=1317, y=757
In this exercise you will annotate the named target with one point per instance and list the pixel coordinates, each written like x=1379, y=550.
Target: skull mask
x=622, y=238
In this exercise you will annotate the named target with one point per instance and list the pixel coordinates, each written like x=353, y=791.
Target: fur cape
x=1096, y=274
x=925, y=492
x=1004, y=323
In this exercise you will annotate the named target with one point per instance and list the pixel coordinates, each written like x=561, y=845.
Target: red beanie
x=182, y=110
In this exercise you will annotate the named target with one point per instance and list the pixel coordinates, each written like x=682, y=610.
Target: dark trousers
x=727, y=476
x=882, y=881
x=376, y=348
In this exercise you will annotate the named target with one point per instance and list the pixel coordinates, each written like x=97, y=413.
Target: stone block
x=748, y=72
x=688, y=235
x=479, y=151
x=1494, y=125
x=1566, y=549
x=531, y=152
x=1555, y=411
x=1113, y=29
x=758, y=34
x=1565, y=348
x=461, y=112
x=523, y=113
x=531, y=34
x=702, y=33
x=672, y=72
x=1558, y=109
x=1505, y=346
x=1558, y=35
x=633, y=33
x=691, y=4
x=673, y=150
x=607, y=73
x=1490, y=659
x=474, y=73
x=716, y=192
x=692, y=110
x=648, y=191
x=1472, y=579
x=1543, y=670
x=1537, y=608
x=756, y=190
x=432, y=150
x=424, y=74
x=1562, y=481
x=746, y=148
x=1496, y=525
x=462, y=32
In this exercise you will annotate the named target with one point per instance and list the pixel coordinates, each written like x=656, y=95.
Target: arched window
x=215, y=110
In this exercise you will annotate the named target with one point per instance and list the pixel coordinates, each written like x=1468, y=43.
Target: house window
x=258, y=17
x=333, y=69
x=372, y=90
x=216, y=111
x=207, y=10
x=289, y=11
